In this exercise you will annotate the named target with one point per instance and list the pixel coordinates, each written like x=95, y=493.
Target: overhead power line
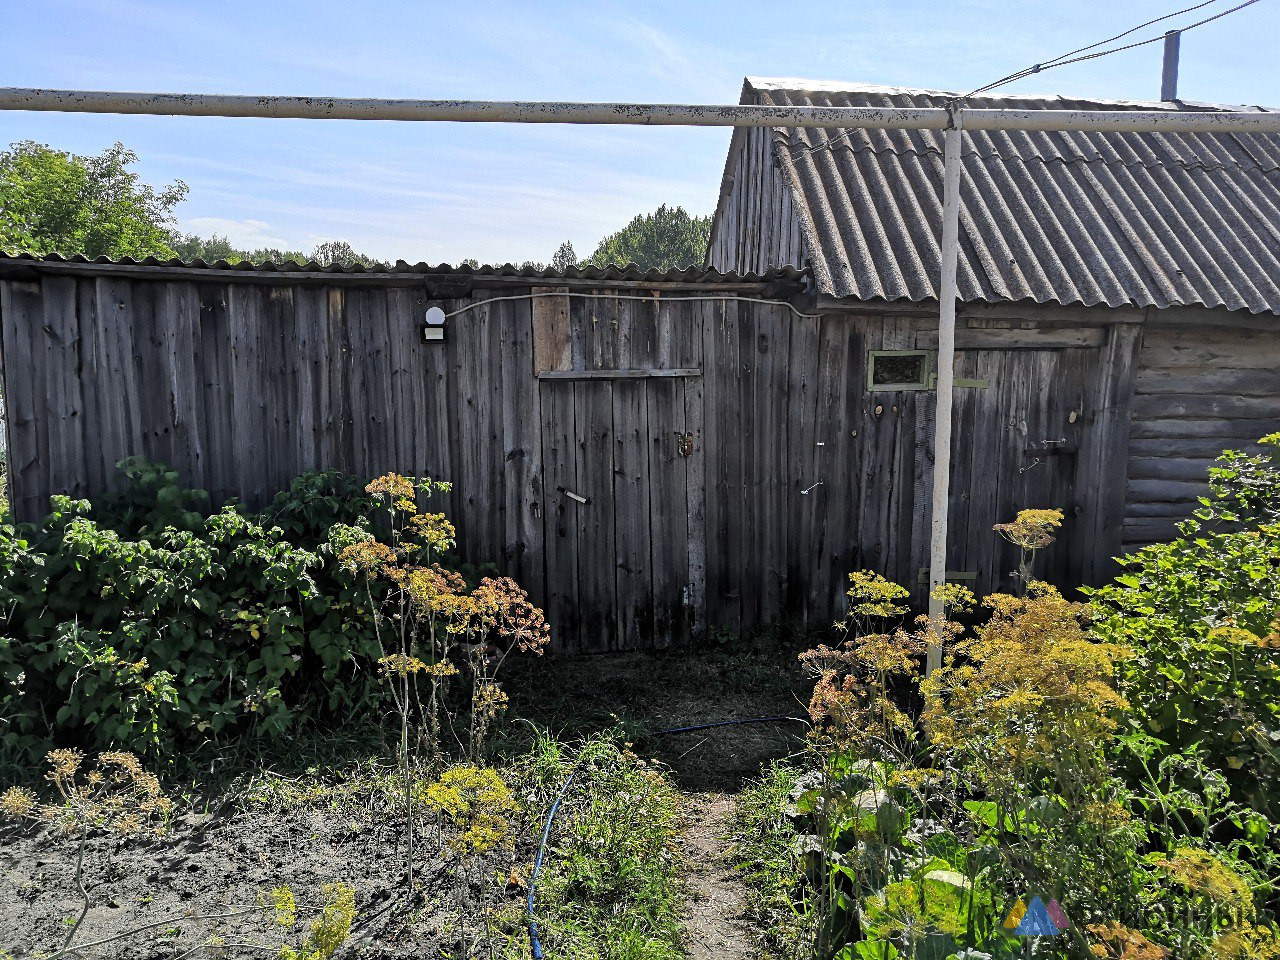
x=1080, y=55
x=1073, y=56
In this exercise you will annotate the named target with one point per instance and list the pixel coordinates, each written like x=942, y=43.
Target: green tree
x=52, y=201
x=189, y=246
x=341, y=253
x=564, y=257
x=665, y=239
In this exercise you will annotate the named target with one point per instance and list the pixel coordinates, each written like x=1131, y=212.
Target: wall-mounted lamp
x=433, y=332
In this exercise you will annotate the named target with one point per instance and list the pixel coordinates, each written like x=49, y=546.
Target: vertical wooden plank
x=774, y=487
x=724, y=461
x=374, y=431
x=277, y=369
x=97, y=471
x=669, y=513
x=632, y=484
x=339, y=431
x=1104, y=450
x=552, y=342
x=520, y=421
x=964, y=456
x=830, y=509
x=311, y=380
x=244, y=317
x=122, y=424
x=597, y=553
x=61, y=362
x=22, y=312
x=216, y=378
x=689, y=336
x=470, y=335
x=807, y=576
x=562, y=514
x=179, y=311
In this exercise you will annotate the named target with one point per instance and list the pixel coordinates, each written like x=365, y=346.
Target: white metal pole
x=952, y=143
x=642, y=114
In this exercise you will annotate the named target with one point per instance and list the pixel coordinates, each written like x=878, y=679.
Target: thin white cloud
x=245, y=234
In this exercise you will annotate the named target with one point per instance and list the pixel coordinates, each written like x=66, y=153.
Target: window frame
x=927, y=377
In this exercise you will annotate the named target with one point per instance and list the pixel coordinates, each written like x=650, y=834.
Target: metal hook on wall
x=1033, y=463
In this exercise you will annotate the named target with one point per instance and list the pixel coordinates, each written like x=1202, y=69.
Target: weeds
x=610, y=889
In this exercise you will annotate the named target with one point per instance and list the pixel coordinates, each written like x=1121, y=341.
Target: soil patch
x=207, y=867
x=713, y=925
x=652, y=691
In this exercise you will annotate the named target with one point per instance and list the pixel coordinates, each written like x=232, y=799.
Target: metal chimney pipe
x=1169, y=77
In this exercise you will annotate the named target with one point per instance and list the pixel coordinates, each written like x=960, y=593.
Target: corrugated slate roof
x=1121, y=219
x=692, y=275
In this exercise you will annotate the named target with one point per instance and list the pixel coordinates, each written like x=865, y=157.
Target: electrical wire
x=1119, y=36
x=1069, y=58
x=1078, y=55
x=629, y=296
x=535, y=944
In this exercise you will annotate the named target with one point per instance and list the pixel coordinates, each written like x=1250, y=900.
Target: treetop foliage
x=668, y=238
x=52, y=201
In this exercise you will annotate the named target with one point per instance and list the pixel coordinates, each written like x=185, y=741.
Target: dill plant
x=429, y=623
x=115, y=794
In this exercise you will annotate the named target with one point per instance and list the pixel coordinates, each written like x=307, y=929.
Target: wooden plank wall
x=755, y=226
x=796, y=474
x=1201, y=388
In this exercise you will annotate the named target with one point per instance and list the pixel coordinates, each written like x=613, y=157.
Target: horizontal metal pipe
x=643, y=114
x=465, y=111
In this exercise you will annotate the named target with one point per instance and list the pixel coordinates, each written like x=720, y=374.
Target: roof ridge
x=802, y=85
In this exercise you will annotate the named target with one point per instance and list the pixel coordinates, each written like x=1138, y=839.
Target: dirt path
x=713, y=924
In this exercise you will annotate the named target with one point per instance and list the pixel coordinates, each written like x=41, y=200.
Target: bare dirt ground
x=218, y=869
x=219, y=865
x=714, y=927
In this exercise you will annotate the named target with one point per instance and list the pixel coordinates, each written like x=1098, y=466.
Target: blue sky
x=442, y=192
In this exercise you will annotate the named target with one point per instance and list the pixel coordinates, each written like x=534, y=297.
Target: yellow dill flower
x=1235, y=637
x=1204, y=873
x=476, y=800
x=1031, y=529
x=17, y=804
x=400, y=665
x=1247, y=942
x=433, y=530
x=871, y=595
x=392, y=485
x=1118, y=941
x=367, y=557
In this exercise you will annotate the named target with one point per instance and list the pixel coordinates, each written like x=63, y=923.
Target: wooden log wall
x=648, y=463
x=1201, y=387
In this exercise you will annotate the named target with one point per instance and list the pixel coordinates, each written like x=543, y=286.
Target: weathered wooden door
x=1018, y=434
x=617, y=447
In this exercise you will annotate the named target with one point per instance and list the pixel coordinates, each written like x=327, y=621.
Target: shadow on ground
x=645, y=692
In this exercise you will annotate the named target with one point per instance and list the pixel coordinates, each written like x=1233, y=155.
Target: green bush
x=146, y=622
x=1201, y=616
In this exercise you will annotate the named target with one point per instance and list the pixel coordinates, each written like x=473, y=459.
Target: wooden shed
x=657, y=454
x=1119, y=293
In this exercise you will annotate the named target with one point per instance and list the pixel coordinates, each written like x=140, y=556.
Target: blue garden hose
x=535, y=945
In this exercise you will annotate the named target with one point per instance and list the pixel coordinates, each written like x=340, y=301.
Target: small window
x=898, y=370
